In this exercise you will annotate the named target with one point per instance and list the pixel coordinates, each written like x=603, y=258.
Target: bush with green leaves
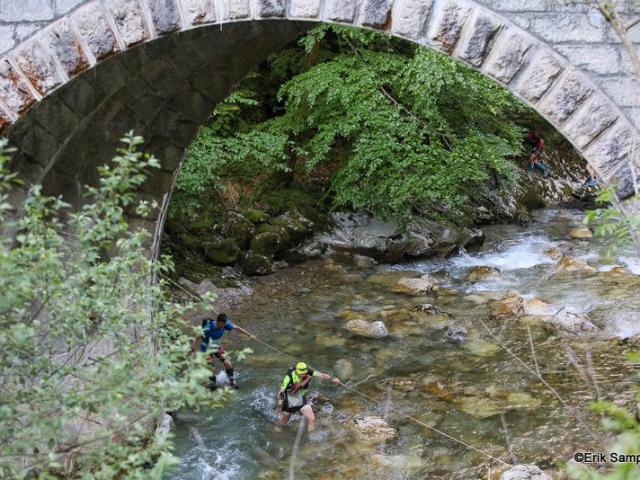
x=415, y=132
x=92, y=353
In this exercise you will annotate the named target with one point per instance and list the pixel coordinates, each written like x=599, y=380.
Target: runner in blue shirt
x=211, y=343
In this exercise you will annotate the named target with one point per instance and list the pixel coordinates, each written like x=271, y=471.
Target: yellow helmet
x=301, y=368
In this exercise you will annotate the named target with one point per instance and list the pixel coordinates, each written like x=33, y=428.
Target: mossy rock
x=532, y=200
x=202, y=226
x=267, y=243
x=256, y=216
x=256, y=264
x=189, y=241
x=296, y=225
x=222, y=252
x=240, y=229
x=279, y=230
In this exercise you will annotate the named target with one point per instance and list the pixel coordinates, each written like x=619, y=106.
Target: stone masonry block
x=13, y=89
x=375, y=13
x=611, y=149
x=128, y=20
x=270, y=8
x=480, y=40
x=566, y=96
x=510, y=54
x=38, y=65
x=340, y=10
x=410, y=17
x=65, y=6
x=597, y=59
x=625, y=91
x=589, y=121
x=6, y=38
x=164, y=15
x=199, y=12
x=448, y=26
x=624, y=180
x=304, y=8
x=567, y=27
x=92, y=24
x=67, y=47
x=25, y=10
x=235, y=9
x=538, y=76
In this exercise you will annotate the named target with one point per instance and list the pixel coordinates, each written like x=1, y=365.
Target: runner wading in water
x=292, y=394
x=211, y=343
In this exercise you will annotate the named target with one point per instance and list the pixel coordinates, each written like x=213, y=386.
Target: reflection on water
x=471, y=390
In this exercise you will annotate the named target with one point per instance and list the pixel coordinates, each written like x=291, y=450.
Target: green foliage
x=619, y=226
x=92, y=353
x=414, y=130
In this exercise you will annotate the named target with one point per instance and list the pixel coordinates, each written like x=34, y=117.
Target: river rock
x=256, y=264
x=363, y=328
x=525, y=472
x=225, y=298
x=402, y=384
x=267, y=244
x=373, y=429
x=362, y=234
x=390, y=279
x=539, y=308
x=568, y=264
x=348, y=314
x=363, y=261
x=581, y=233
x=222, y=252
x=343, y=369
x=575, y=323
x=330, y=341
x=455, y=334
x=480, y=407
x=416, y=286
x=429, y=309
x=554, y=252
x=511, y=305
x=482, y=273
x=481, y=348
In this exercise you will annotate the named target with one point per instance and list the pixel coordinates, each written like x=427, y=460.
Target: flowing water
x=472, y=390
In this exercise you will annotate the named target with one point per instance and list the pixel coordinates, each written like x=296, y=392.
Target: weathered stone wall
x=68, y=92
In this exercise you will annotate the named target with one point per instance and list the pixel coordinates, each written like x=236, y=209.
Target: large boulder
x=416, y=286
x=296, y=225
x=363, y=328
x=256, y=264
x=373, y=429
x=238, y=228
x=267, y=244
x=362, y=234
x=222, y=252
x=525, y=472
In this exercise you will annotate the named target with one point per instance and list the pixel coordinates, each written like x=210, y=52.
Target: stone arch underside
x=159, y=67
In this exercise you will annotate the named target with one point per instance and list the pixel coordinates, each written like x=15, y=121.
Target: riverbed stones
x=481, y=348
x=455, y=334
x=483, y=273
x=580, y=233
x=568, y=264
x=537, y=307
x=510, y=305
x=416, y=286
x=554, y=253
x=362, y=328
x=372, y=429
x=525, y=472
x=343, y=369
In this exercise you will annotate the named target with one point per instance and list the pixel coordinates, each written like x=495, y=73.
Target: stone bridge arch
x=93, y=69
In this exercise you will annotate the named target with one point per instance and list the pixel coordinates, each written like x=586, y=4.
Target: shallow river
x=473, y=390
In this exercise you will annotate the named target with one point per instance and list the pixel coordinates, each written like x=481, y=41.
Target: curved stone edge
x=474, y=34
